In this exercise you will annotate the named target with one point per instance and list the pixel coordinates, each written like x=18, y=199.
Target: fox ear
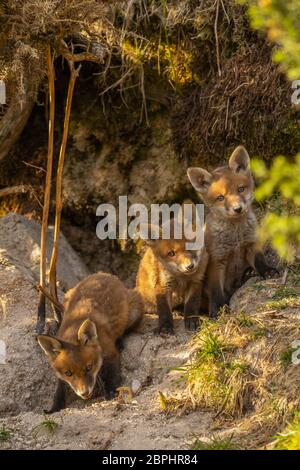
x=51, y=346
x=239, y=160
x=200, y=179
x=87, y=333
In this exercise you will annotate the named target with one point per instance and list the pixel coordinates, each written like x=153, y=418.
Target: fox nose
x=85, y=395
x=238, y=209
x=190, y=267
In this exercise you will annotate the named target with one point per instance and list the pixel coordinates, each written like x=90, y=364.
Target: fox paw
x=270, y=272
x=192, y=323
x=165, y=329
x=110, y=394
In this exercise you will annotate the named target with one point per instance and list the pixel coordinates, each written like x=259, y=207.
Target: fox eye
x=68, y=373
x=241, y=189
x=220, y=198
x=89, y=367
x=171, y=253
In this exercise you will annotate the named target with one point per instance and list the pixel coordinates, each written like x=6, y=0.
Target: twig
x=284, y=277
x=59, y=175
x=42, y=301
x=98, y=58
x=34, y=166
x=54, y=301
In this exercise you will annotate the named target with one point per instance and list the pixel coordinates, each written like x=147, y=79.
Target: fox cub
x=98, y=311
x=168, y=271
x=230, y=235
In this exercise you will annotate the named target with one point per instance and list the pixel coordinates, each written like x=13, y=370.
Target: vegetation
x=5, y=433
x=241, y=367
x=280, y=19
x=47, y=424
x=289, y=438
x=215, y=443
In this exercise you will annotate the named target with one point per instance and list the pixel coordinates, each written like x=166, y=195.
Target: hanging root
x=41, y=316
x=58, y=199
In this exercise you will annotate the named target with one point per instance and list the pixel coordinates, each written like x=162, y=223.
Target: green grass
x=291, y=302
x=215, y=379
x=211, y=345
x=294, y=276
x=284, y=292
x=215, y=443
x=245, y=320
x=242, y=367
x=5, y=434
x=289, y=439
x=259, y=332
x=259, y=286
x=48, y=424
x=286, y=357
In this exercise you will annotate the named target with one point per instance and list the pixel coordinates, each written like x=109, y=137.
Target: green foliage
x=289, y=439
x=280, y=20
x=282, y=229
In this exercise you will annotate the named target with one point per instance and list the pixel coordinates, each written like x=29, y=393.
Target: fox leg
x=257, y=261
x=165, y=318
x=59, y=399
x=110, y=373
x=192, y=306
x=216, y=274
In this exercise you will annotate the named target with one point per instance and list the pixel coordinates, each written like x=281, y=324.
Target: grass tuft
x=48, y=424
x=215, y=443
x=5, y=433
x=245, y=320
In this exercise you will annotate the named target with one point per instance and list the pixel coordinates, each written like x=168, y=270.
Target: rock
x=26, y=379
x=136, y=386
x=20, y=245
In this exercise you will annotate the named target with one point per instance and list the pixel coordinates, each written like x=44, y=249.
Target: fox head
x=173, y=253
x=76, y=364
x=227, y=191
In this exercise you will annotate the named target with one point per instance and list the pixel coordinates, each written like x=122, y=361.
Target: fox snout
x=83, y=391
x=188, y=264
x=237, y=208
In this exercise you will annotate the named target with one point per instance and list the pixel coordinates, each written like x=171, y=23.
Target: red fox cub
x=230, y=235
x=98, y=311
x=168, y=269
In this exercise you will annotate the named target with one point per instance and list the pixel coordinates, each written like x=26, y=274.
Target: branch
x=97, y=53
